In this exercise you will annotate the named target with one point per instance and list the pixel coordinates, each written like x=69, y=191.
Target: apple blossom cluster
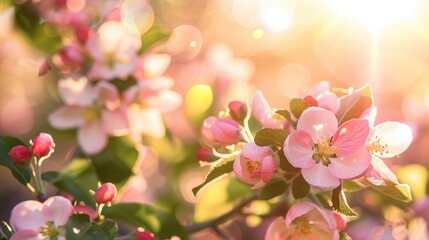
x=314, y=150
x=110, y=83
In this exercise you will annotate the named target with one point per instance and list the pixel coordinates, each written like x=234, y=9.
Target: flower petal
x=298, y=210
x=154, y=65
x=379, y=171
x=351, y=166
x=298, y=149
x=67, y=117
x=318, y=122
x=396, y=136
x=329, y=101
x=164, y=101
x=278, y=230
x=240, y=170
x=114, y=122
x=76, y=92
x=255, y=152
x=26, y=234
x=57, y=209
x=27, y=215
x=145, y=121
x=268, y=168
x=319, y=176
x=351, y=137
x=92, y=138
x=262, y=111
x=107, y=95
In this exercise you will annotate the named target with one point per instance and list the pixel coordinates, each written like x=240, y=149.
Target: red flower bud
x=69, y=57
x=311, y=100
x=341, y=222
x=143, y=235
x=105, y=193
x=205, y=154
x=237, y=110
x=226, y=131
x=19, y=154
x=82, y=33
x=43, y=144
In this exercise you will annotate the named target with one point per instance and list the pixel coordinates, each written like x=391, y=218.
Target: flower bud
x=226, y=131
x=311, y=100
x=19, y=154
x=43, y=144
x=205, y=154
x=143, y=235
x=206, y=128
x=341, y=222
x=105, y=193
x=237, y=110
x=69, y=57
x=82, y=33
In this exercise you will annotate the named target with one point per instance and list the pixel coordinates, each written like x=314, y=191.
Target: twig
x=221, y=233
x=223, y=218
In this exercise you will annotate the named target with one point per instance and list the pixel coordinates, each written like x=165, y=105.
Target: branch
x=223, y=218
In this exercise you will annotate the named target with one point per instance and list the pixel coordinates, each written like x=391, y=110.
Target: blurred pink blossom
x=324, y=97
x=304, y=221
x=69, y=58
x=255, y=165
x=94, y=110
x=34, y=220
x=264, y=113
x=323, y=161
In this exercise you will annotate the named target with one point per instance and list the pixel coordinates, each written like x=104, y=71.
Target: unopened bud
x=311, y=100
x=341, y=222
x=143, y=235
x=43, y=144
x=19, y=154
x=69, y=57
x=105, y=193
x=205, y=154
x=226, y=131
x=237, y=110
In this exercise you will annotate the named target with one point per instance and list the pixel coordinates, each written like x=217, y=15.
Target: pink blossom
x=94, y=110
x=205, y=154
x=114, y=51
x=105, y=193
x=19, y=154
x=223, y=131
x=84, y=209
x=324, y=97
x=42, y=145
x=304, y=221
x=151, y=66
x=255, y=165
x=237, y=110
x=325, y=152
x=145, y=104
x=385, y=140
x=69, y=58
x=34, y=220
x=264, y=113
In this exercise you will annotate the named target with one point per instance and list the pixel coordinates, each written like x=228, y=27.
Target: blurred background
x=224, y=50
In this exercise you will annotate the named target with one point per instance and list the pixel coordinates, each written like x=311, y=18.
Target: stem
x=246, y=123
x=221, y=233
x=223, y=218
x=37, y=177
x=223, y=155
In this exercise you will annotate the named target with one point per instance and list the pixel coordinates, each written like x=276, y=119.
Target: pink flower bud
x=43, y=144
x=311, y=100
x=44, y=68
x=19, y=154
x=237, y=110
x=105, y=193
x=205, y=154
x=226, y=131
x=82, y=33
x=341, y=222
x=69, y=57
x=206, y=128
x=143, y=235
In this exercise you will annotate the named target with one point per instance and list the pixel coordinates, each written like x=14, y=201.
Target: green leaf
x=69, y=185
x=76, y=226
x=152, y=37
x=355, y=104
x=271, y=137
x=352, y=186
x=21, y=173
x=297, y=106
x=274, y=188
x=340, y=204
x=285, y=164
x=300, y=188
x=115, y=163
x=286, y=114
x=162, y=224
x=218, y=171
x=399, y=192
x=106, y=230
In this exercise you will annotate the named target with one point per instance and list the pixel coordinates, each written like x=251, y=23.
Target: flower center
x=91, y=113
x=49, y=230
x=302, y=226
x=323, y=151
x=252, y=166
x=375, y=147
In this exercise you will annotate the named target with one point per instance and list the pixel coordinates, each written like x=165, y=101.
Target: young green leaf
x=106, y=230
x=355, y=104
x=152, y=37
x=274, y=188
x=160, y=223
x=399, y=192
x=300, y=188
x=352, y=186
x=297, y=106
x=271, y=137
x=286, y=114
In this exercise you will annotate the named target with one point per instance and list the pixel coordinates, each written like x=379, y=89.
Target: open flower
x=34, y=220
x=304, y=221
x=94, y=110
x=255, y=165
x=325, y=152
x=385, y=140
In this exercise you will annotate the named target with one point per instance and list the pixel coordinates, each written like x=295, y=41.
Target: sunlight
x=375, y=14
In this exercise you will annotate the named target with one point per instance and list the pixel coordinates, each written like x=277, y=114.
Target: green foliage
x=271, y=137
x=399, y=192
x=219, y=170
x=352, y=186
x=339, y=202
x=297, y=106
x=115, y=163
x=162, y=224
x=153, y=37
x=21, y=173
x=355, y=104
x=274, y=188
x=285, y=164
x=286, y=115
x=79, y=227
x=66, y=183
x=300, y=188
